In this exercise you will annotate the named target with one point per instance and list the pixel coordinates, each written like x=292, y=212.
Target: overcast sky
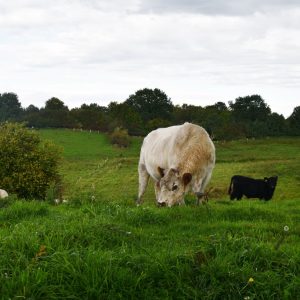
x=198, y=52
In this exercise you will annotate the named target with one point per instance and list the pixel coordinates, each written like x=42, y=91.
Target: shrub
x=28, y=166
x=120, y=137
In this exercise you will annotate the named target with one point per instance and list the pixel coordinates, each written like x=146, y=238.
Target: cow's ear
x=186, y=178
x=161, y=171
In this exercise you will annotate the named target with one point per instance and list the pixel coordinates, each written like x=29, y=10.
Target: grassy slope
x=100, y=245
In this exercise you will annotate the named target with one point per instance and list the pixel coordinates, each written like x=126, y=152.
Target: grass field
x=99, y=245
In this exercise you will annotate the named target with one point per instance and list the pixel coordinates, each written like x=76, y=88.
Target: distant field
x=99, y=245
x=93, y=166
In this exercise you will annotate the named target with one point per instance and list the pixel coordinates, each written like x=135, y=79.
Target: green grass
x=99, y=245
x=85, y=145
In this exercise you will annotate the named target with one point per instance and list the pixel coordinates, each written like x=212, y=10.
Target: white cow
x=3, y=194
x=178, y=158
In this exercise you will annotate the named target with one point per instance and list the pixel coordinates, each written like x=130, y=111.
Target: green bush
x=120, y=137
x=28, y=166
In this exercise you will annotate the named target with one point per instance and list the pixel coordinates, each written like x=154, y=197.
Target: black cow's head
x=270, y=186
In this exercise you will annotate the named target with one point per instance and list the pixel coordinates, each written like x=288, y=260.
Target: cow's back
x=184, y=146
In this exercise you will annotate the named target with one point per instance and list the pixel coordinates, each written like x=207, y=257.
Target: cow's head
x=172, y=187
x=271, y=185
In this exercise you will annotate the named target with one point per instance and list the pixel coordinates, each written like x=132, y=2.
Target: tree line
x=148, y=109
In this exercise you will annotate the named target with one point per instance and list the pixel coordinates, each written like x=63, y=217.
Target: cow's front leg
x=157, y=190
x=143, y=182
x=198, y=189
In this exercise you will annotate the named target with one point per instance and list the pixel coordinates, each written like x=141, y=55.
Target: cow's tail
x=230, y=186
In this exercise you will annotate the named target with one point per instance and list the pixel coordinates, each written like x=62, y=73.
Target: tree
x=249, y=109
x=27, y=164
x=216, y=119
x=123, y=115
x=32, y=109
x=90, y=116
x=187, y=113
x=276, y=125
x=294, y=121
x=55, y=114
x=218, y=106
x=151, y=104
x=10, y=107
x=55, y=104
x=32, y=115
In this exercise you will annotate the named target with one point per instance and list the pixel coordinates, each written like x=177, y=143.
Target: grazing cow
x=252, y=188
x=3, y=194
x=177, y=158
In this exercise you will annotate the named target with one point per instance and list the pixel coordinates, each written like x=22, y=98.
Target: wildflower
x=251, y=280
x=246, y=298
x=56, y=201
x=93, y=198
x=286, y=228
x=128, y=232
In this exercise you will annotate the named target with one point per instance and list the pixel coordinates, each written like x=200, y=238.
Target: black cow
x=252, y=188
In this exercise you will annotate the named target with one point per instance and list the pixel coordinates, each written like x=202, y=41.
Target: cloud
x=215, y=7
x=207, y=50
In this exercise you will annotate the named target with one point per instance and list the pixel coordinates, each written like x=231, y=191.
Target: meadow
x=98, y=244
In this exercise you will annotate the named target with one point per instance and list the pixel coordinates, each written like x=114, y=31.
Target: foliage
x=148, y=109
x=249, y=108
x=120, y=137
x=55, y=114
x=276, y=125
x=123, y=115
x=294, y=121
x=10, y=107
x=150, y=104
x=27, y=165
x=91, y=117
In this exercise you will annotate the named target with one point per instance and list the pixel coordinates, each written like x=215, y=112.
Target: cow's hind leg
x=143, y=182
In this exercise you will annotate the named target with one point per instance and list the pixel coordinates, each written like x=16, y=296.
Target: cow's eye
x=174, y=187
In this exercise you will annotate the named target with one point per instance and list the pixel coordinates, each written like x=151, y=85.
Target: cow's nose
x=161, y=204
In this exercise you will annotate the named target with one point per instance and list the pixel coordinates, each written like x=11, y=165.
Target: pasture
x=99, y=245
